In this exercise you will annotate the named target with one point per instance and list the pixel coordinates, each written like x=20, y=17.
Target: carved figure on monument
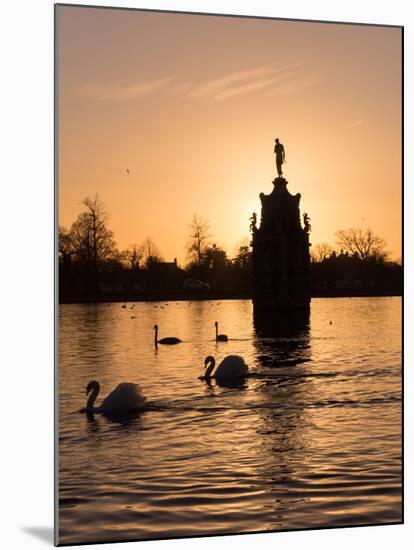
x=280, y=156
x=306, y=220
x=253, y=222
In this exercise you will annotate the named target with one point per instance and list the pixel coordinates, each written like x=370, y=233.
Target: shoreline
x=179, y=296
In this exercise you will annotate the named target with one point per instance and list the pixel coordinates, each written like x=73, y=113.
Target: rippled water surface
x=311, y=439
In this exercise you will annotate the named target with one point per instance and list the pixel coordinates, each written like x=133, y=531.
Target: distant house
x=165, y=275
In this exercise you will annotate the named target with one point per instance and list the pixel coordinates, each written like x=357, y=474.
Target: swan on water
x=169, y=340
x=220, y=337
x=231, y=368
x=124, y=398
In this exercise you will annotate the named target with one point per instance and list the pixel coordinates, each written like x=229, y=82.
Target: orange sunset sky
x=191, y=105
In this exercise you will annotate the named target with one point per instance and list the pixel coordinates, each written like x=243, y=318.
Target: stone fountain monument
x=280, y=257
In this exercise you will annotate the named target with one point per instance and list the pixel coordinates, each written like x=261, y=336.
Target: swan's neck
x=209, y=369
x=91, y=399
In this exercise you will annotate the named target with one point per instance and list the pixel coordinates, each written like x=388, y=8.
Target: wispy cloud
x=180, y=89
x=244, y=89
x=126, y=92
x=355, y=124
x=241, y=82
x=293, y=83
x=212, y=87
x=219, y=89
x=254, y=86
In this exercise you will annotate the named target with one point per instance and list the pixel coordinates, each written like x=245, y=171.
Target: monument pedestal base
x=280, y=257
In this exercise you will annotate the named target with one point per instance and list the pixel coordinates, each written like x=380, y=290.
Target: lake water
x=311, y=440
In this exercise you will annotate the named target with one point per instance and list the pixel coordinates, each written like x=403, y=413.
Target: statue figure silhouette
x=253, y=222
x=306, y=220
x=280, y=156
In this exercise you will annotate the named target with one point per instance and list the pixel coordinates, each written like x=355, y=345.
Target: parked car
x=195, y=284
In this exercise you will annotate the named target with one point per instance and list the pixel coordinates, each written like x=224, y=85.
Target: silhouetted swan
x=126, y=397
x=231, y=368
x=220, y=337
x=169, y=340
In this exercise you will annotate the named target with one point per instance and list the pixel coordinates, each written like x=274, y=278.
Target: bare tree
x=199, y=239
x=321, y=251
x=66, y=247
x=93, y=242
x=133, y=255
x=150, y=252
x=363, y=243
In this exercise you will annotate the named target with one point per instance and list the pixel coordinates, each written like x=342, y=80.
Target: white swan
x=220, y=337
x=169, y=340
x=126, y=397
x=231, y=368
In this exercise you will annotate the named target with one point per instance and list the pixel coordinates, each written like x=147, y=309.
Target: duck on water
x=126, y=397
x=232, y=368
x=168, y=341
x=220, y=337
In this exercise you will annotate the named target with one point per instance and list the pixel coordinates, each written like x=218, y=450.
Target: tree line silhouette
x=91, y=267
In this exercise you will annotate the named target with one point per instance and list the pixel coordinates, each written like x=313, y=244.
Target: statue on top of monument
x=280, y=156
x=253, y=222
x=306, y=220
